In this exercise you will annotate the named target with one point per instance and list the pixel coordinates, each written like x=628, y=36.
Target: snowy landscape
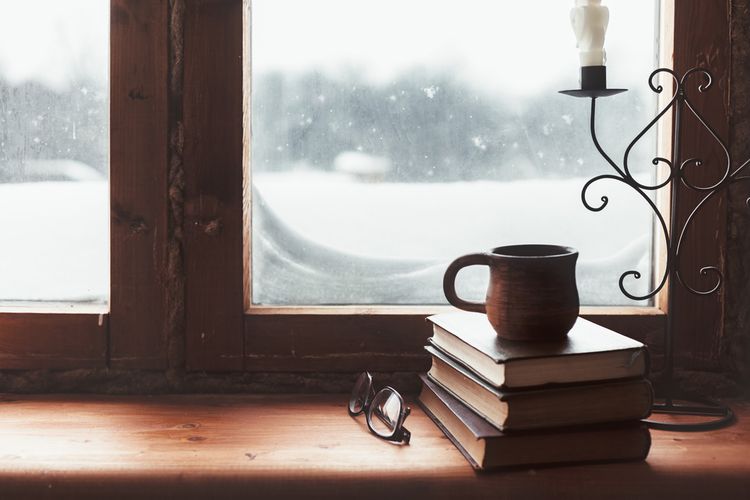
x=55, y=245
x=375, y=162
x=390, y=243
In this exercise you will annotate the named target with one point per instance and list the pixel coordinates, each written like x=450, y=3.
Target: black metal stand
x=716, y=415
x=712, y=415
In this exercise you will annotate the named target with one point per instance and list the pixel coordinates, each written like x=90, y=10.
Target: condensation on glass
x=390, y=137
x=54, y=207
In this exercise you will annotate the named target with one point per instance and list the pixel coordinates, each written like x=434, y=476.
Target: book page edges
x=451, y=424
x=585, y=337
x=492, y=371
x=540, y=371
x=571, y=403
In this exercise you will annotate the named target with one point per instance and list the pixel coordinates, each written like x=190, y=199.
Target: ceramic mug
x=532, y=293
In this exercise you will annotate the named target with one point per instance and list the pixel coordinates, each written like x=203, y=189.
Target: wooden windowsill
x=308, y=447
x=360, y=310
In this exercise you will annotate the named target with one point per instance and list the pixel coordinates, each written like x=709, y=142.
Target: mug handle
x=449, y=281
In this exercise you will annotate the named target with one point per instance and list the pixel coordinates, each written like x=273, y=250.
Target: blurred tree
x=434, y=128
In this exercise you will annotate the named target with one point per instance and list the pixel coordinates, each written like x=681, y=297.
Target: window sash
x=188, y=116
x=131, y=334
x=348, y=338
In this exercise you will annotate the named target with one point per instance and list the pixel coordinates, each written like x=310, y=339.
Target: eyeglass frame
x=400, y=433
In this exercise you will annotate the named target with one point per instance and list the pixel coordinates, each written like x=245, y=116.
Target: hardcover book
x=606, y=401
x=485, y=447
x=590, y=352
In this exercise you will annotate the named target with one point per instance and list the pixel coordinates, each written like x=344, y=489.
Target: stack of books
x=505, y=403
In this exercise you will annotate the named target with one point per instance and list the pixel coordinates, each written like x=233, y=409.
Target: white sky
x=516, y=46
x=54, y=42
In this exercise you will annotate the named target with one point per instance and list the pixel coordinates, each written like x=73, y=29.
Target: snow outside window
x=54, y=206
x=390, y=137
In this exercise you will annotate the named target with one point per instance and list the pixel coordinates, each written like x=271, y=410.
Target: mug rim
x=544, y=251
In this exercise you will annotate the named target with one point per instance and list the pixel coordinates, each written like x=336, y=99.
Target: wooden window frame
x=350, y=339
x=130, y=333
x=194, y=284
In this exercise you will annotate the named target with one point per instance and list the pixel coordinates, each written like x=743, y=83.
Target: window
x=401, y=135
x=177, y=239
x=284, y=337
x=54, y=103
x=55, y=61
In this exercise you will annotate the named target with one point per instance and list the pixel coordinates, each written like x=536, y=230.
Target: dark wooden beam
x=138, y=182
x=385, y=342
x=30, y=341
x=213, y=114
x=702, y=39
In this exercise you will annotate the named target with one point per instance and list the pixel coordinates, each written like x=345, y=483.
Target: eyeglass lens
x=385, y=410
x=385, y=413
x=361, y=390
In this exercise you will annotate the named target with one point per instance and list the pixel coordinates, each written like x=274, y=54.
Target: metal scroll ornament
x=677, y=180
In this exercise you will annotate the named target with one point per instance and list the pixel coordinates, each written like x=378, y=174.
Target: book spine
x=450, y=436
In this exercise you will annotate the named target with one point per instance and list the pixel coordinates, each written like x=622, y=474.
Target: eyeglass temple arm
x=405, y=435
x=402, y=434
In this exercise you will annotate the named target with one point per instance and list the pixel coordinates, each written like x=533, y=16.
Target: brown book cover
x=589, y=352
x=602, y=401
x=486, y=447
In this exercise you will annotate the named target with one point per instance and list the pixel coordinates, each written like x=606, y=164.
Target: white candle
x=589, y=19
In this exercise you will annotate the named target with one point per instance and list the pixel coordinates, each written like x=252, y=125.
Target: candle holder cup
x=593, y=77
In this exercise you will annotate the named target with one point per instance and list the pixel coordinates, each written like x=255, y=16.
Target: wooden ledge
x=308, y=447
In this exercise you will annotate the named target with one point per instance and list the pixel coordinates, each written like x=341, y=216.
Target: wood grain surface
x=381, y=342
x=308, y=447
x=212, y=107
x=701, y=33
x=138, y=183
x=53, y=341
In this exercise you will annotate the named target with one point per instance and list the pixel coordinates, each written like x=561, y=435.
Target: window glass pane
x=53, y=151
x=390, y=137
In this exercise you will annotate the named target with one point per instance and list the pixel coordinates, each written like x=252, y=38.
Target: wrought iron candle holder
x=674, y=232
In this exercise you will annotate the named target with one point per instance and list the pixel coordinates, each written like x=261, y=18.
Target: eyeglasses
x=385, y=410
